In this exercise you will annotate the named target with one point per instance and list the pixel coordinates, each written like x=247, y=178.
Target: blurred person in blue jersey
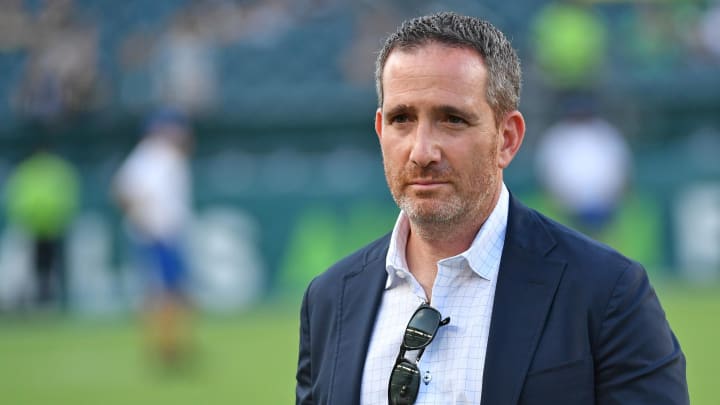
x=154, y=190
x=584, y=163
x=474, y=298
x=42, y=197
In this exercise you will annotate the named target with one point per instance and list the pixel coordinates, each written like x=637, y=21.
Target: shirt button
x=400, y=274
x=427, y=377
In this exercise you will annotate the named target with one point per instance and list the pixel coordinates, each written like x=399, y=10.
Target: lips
x=426, y=182
x=423, y=186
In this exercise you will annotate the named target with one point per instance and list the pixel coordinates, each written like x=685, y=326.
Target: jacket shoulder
x=351, y=264
x=579, y=250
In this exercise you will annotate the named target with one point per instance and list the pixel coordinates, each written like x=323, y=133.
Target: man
x=538, y=314
x=153, y=187
x=584, y=164
x=43, y=195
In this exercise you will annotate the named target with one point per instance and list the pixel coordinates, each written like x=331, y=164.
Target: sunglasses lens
x=421, y=328
x=404, y=384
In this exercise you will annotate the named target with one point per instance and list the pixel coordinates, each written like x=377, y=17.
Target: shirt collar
x=490, y=237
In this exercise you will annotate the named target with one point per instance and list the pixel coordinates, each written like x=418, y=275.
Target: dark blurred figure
x=42, y=199
x=153, y=189
x=61, y=77
x=185, y=71
x=709, y=31
x=372, y=21
x=14, y=26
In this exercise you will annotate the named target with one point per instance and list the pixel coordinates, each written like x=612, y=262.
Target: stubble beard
x=439, y=217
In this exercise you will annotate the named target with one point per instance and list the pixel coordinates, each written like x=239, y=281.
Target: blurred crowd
x=65, y=57
x=589, y=65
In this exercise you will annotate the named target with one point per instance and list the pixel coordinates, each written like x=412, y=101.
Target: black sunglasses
x=405, y=376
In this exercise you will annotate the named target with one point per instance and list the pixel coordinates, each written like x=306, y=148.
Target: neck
x=424, y=251
x=439, y=243
x=447, y=239
x=429, y=243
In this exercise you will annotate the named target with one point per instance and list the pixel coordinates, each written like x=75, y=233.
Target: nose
x=425, y=149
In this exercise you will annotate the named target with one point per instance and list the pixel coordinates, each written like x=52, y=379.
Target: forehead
x=435, y=53
x=434, y=70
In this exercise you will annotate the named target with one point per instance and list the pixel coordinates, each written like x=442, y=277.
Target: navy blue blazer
x=574, y=322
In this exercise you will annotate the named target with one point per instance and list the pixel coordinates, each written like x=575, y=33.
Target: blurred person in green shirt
x=571, y=41
x=42, y=198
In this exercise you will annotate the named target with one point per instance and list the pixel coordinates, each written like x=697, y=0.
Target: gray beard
x=443, y=222
x=438, y=224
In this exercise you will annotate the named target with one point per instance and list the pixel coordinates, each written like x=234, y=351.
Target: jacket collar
x=527, y=282
x=360, y=297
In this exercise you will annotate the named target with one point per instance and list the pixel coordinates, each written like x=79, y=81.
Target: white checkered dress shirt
x=452, y=365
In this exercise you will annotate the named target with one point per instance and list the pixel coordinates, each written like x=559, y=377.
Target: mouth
x=421, y=184
x=426, y=182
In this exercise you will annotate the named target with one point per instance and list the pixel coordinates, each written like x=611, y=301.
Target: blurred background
x=232, y=142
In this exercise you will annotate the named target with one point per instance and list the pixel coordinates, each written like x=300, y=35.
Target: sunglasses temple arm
x=401, y=355
x=445, y=321
x=419, y=354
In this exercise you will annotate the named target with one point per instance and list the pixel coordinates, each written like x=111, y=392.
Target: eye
x=399, y=119
x=455, y=120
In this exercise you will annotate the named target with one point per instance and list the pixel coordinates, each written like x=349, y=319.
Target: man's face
x=438, y=136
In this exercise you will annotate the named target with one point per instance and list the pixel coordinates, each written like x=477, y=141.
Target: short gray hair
x=451, y=29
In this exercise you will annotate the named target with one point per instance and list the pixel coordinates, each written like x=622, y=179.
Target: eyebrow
x=451, y=110
x=444, y=109
x=398, y=109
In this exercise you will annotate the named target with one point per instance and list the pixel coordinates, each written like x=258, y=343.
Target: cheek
x=474, y=158
x=393, y=154
x=478, y=170
x=391, y=166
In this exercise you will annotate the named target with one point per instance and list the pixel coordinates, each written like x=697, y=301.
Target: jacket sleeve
x=303, y=389
x=638, y=359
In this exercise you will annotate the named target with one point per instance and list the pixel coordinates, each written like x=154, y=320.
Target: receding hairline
x=416, y=47
x=429, y=42
x=504, y=74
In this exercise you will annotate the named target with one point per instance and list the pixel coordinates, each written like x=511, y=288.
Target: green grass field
x=243, y=359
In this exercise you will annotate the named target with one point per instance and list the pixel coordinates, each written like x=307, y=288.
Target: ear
x=512, y=133
x=378, y=123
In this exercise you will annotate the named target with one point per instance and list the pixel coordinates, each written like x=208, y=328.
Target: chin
x=432, y=212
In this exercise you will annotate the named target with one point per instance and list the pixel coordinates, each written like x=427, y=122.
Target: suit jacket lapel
x=358, y=306
x=526, y=287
